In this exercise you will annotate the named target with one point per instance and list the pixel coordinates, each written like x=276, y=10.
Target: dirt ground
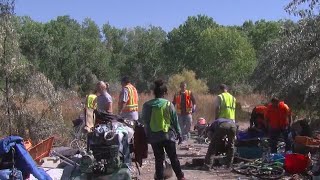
x=186, y=152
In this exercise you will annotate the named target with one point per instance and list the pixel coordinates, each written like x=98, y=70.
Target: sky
x=167, y=14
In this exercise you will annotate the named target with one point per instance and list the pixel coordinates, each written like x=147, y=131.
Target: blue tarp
x=246, y=135
x=23, y=160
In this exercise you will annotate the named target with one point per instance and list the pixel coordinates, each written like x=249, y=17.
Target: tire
x=78, y=144
x=269, y=172
x=245, y=169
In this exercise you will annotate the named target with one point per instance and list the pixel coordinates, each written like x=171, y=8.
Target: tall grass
x=205, y=105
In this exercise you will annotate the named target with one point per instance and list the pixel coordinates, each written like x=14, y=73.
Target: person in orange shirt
x=278, y=118
x=257, y=119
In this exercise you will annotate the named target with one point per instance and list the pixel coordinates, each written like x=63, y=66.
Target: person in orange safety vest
x=185, y=104
x=128, y=100
x=257, y=119
x=278, y=118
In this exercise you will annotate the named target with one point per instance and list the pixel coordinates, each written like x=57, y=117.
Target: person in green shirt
x=160, y=120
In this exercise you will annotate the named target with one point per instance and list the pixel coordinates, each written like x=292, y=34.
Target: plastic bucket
x=296, y=163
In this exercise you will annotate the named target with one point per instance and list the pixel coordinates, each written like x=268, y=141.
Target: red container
x=296, y=163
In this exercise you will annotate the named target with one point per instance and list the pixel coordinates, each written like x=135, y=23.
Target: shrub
x=198, y=86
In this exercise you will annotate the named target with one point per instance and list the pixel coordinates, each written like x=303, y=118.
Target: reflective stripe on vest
x=227, y=106
x=132, y=103
x=188, y=102
x=90, y=101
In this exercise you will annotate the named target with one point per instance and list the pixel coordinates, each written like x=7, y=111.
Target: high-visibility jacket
x=90, y=101
x=161, y=118
x=278, y=116
x=188, y=102
x=227, y=106
x=258, y=116
x=132, y=103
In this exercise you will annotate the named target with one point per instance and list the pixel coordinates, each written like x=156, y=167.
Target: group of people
x=166, y=122
x=102, y=101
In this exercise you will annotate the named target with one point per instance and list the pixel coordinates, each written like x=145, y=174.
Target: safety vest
x=160, y=118
x=260, y=113
x=188, y=101
x=90, y=101
x=278, y=116
x=227, y=106
x=132, y=103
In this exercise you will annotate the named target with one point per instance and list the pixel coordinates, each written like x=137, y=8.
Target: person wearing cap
x=185, y=105
x=278, y=118
x=128, y=100
x=223, y=126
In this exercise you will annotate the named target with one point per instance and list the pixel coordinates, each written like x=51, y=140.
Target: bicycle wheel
x=268, y=172
x=78, y=144
x=245, y=169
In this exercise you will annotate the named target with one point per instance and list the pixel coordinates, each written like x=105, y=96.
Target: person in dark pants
x=220, y=129
x=223, y=126
x=278, y=117
x=162, y=129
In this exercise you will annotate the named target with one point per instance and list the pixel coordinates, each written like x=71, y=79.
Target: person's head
x=275, y=102
x=160, y=89
x=223, y=88
x=183, y=86
x=101, y=87
x=125, y=80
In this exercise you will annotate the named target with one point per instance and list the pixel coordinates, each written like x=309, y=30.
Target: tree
x=225, y=56
x=181, y=48
x=303, y=8
x=22, y=83
x=261, y=32
x=143, y=52
x=289, y=67
x=197, y=86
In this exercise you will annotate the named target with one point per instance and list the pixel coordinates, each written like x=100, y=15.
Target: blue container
x=250, y=152
x=277, y=158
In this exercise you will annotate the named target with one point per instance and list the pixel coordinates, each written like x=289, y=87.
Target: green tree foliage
x=23, y=83
x=198, y=86
x=224, y=56
x=137, y=50
x=68, y=53
x=261, y=32
x=290, y=67
x=181, y=49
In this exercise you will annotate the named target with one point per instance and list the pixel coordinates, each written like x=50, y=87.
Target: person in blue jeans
x=185, y=105
x=162, y=129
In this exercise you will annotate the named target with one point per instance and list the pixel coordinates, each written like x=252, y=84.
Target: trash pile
x=106, y=156
x=301, y=163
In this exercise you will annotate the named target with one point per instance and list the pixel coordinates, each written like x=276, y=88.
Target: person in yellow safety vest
x=128, y=100
x=90, y=106
x=185, y=104
x=223, y=126
x=162, y=129
x=91, y=102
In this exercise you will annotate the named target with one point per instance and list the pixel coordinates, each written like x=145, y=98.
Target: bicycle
x=79, y=137
x=261, y=170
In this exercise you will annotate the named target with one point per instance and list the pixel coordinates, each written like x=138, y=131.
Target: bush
x=198, y=86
